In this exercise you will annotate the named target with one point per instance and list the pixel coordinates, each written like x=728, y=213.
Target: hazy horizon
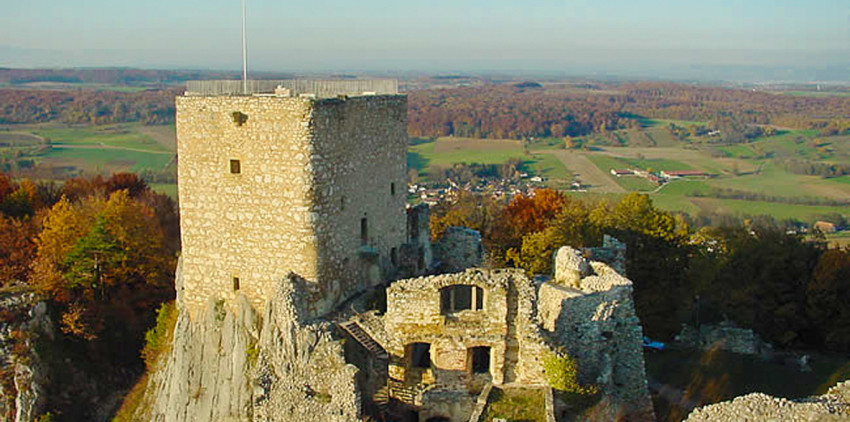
x=732, y=40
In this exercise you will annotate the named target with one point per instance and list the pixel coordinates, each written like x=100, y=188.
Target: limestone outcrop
x=236, y=365
x=25, y=378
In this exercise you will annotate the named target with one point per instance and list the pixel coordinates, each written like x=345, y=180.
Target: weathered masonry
x=299, y=180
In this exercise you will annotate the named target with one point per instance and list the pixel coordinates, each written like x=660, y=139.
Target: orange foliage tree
x=102, y=258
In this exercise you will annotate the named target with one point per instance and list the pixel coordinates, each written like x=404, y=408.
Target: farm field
x=59, y=151
x=445, y=152
x=131, y=147
x=764, y=186
x=169, y=189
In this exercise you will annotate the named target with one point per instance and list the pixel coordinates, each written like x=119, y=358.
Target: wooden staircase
x=356, y=331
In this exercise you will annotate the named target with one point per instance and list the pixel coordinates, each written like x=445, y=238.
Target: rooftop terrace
x=294, y=87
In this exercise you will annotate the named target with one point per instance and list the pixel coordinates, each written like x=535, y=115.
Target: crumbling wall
x=233, y=365
x=725, y=337
x=416, y=256
x=457, y=249
x=612, y=252
x=588, y=309
x=414, y=316
x=832, y=406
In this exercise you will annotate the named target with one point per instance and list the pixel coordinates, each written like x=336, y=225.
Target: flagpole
x=244, y=53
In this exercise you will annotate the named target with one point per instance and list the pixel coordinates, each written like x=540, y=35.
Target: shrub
x=158, y=338
x=561, y=374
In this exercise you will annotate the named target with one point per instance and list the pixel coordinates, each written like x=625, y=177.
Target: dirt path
x=586, y=171
x=163, y=135
x=65, y=146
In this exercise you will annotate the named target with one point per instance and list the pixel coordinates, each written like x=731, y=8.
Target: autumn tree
x=102, y=258
x=571, y=227
x=17, y=249
x=827, y=295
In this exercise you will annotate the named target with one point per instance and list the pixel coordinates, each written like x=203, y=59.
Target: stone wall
x=725, y=337
x=588, y=309
x=359, y=172
x=414, y=316
x=416, y=256
x=457, y=249
x=506, y=324
x=310, y=170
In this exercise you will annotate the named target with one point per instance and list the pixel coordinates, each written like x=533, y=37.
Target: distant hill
x=117, y=76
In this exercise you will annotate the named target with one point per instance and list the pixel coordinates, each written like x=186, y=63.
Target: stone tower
x=297, y=181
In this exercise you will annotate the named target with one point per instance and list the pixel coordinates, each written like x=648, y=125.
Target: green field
x=62, y=151
x=636, y=184
x=119, y=136
x=108, y=160
x=169, y=189
x=657, y=164
x=607, y=162
x=446, y=152
x=737, y=151
x=780, y=211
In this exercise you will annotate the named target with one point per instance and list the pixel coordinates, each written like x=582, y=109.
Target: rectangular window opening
x=392, y=188
x=235, y=283
x=364, y=231
x=461, y=297
x=235, y=167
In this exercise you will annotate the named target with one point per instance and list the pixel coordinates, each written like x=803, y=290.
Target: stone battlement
x=313, y=88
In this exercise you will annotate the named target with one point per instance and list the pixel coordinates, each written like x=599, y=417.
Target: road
x=102, y=146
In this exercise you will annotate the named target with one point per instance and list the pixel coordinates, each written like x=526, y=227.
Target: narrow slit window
x=235, y=167
x=364, y=231
x=239, y=118
x=235, y=284
x=392, y=188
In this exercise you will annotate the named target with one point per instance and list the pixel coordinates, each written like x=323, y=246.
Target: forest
x=102, y=252
x=510, y=111
x=519, y=111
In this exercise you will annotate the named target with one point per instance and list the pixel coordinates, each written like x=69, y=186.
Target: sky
x=571, y=36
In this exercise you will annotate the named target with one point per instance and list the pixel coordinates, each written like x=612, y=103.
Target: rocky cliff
x=235, y=365
x=22, y=374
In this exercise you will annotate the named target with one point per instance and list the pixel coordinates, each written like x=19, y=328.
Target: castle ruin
x=308, y=290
